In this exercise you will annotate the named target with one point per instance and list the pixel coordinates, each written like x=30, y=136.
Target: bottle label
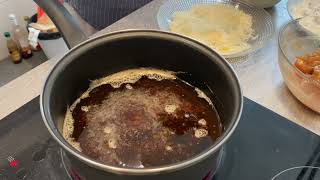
x=13, y=20
x=33, y=37
x=15, y=55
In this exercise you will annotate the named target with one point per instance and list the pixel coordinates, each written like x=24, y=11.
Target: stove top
x=264, y=146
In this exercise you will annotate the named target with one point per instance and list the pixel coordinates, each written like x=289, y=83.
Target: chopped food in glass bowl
x=299, y=60
x=309, y=64
x=234, y=29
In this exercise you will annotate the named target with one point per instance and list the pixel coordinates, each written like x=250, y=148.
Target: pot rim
x=145, y=171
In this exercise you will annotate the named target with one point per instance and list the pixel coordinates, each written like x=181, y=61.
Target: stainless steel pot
x=110, y=53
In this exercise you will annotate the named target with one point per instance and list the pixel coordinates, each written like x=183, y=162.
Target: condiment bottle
x=13, y=49
x=20, y=35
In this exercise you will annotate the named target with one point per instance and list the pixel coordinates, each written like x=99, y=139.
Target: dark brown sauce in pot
x=148, y=123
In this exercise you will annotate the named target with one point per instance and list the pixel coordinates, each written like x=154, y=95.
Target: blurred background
x=18, y=7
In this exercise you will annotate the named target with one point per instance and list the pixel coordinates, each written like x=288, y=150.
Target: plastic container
x=51, y=43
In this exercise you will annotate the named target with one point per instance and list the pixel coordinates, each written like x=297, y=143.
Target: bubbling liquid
x=141, y=118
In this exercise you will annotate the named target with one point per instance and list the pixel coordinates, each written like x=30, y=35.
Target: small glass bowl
x=262, y=22
x=295, y=41
x=290, y=6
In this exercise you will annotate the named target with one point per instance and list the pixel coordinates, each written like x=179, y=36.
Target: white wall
x=20, y=8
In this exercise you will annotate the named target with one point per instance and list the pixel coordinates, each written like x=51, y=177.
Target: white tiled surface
x=18, y=7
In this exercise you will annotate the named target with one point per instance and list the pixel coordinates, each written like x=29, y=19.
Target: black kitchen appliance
x=264, y=146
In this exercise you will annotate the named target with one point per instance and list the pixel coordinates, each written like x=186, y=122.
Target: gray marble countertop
x=10, y=71
x=259, y=74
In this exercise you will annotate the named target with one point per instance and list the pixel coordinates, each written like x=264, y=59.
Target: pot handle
x=67, y=25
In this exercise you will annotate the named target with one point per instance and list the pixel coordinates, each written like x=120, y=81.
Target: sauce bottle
x=20, y=35
x=13, y=49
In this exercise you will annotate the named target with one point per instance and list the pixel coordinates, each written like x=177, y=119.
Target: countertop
x=10, y=71
x=259, y=73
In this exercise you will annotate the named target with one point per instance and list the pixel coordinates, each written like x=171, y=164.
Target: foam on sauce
x=115, y=80
x=68, y=129
x=132, y=76
x=124, y=120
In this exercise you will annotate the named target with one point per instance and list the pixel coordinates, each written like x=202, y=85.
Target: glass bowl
x=290, y=6
x=294, y=41
x=312, y=15
x=262, y=22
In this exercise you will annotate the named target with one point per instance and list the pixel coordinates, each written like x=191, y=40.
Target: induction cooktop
x=264, y=146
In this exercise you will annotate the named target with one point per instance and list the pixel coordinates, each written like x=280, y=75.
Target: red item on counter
x=40, y=12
